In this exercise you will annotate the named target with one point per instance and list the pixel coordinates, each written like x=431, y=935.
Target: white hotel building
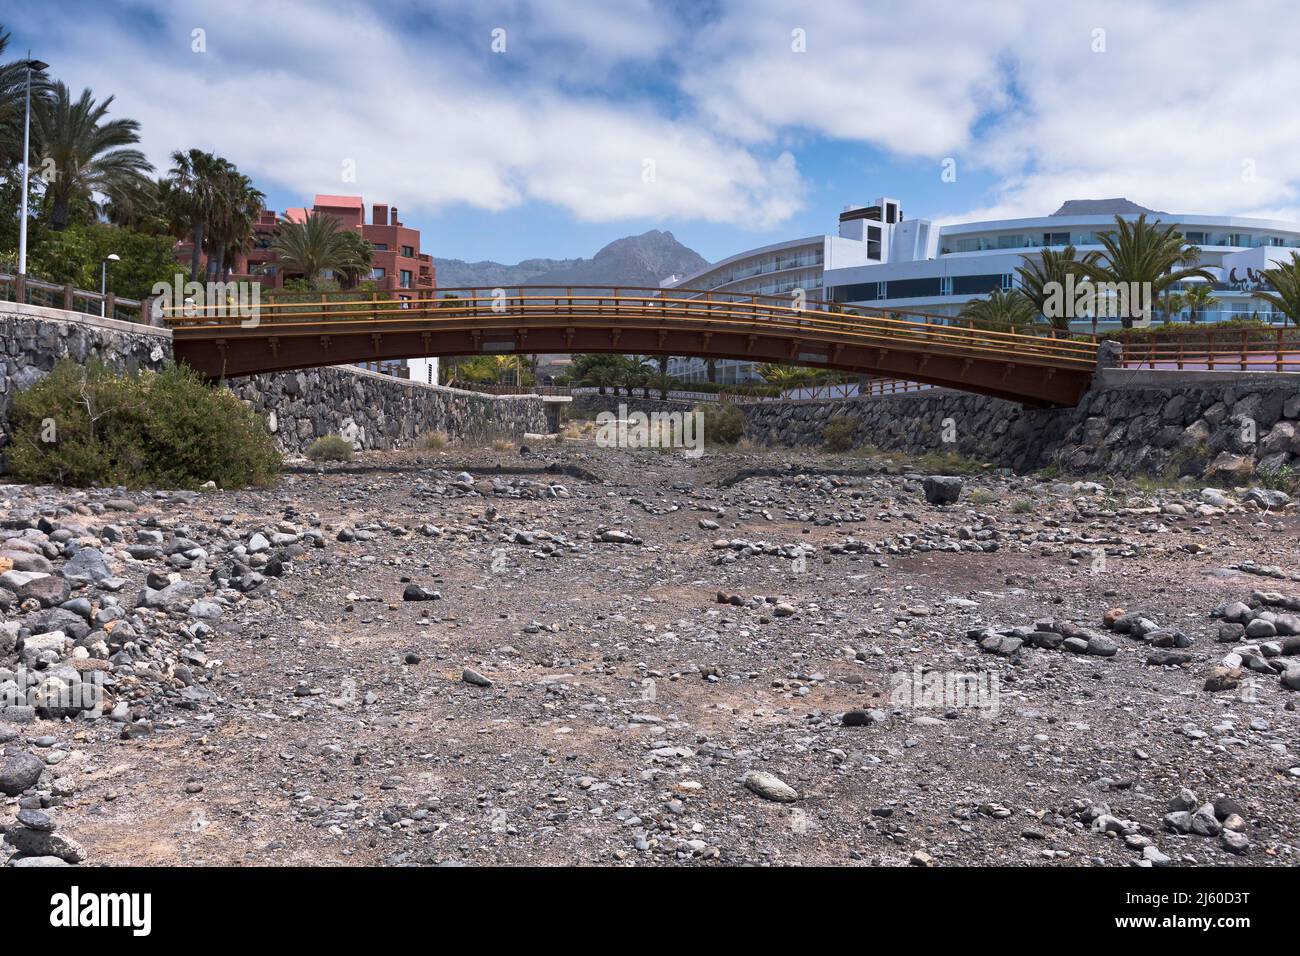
x=881, y=261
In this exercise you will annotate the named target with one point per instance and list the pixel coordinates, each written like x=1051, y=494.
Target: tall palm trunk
x=59, y=214
x=197, y=238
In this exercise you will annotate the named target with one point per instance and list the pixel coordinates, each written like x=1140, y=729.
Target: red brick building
x=397, y=264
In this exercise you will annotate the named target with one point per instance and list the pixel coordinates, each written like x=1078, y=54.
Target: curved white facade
x=965, y=261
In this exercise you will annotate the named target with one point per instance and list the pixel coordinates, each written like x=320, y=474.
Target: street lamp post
x=103, y=279
x=33, y=66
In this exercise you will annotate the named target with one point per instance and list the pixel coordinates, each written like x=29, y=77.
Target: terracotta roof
x=297, y=214
x=347, y=202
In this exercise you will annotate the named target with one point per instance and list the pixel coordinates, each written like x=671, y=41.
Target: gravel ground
x=620, y=658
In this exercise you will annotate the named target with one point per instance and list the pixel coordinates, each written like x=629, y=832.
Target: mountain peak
x=630, y=261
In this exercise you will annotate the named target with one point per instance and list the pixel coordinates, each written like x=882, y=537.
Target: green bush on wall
x=840, y=434
x=89, y=425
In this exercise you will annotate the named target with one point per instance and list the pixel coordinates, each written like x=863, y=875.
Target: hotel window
x=408, y=251
x=1196, y=238
x=1056, y=238
x=377, y=273
x=381, y=246
x=945, y=285
x=406, y=278
x=873, y=242
x=1008, y=282
x=882, y=290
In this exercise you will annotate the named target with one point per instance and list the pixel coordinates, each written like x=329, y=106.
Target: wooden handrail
x=289, y=315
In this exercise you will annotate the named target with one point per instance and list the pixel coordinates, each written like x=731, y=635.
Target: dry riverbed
x=574, y=656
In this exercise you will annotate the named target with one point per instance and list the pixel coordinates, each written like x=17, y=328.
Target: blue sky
x=508, y=130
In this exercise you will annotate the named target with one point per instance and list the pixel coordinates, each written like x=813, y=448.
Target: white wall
x=423, y=370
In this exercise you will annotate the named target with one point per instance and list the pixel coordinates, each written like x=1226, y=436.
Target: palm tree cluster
x=85, y=164
x=621, y=372
x=207, y=199
x=1148, y=254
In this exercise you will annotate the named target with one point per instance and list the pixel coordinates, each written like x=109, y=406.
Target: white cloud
x=1185, y=97
x=292, y=94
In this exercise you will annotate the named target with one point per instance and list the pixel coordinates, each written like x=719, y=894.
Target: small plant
x=982, y=496
x=723, y=425
x=1024, y=506
x=330, y=448
x=947, y=463
x=433, y=441
x=840, y=434
x=500, y=444
x=1281, y=478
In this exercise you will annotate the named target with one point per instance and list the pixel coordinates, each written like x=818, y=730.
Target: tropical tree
x=1002, y=308
x=194, y=180
x=357, y=263
x=1144, y=252
x=785, y=376
x=315, y=246
x=13, y=94
x=1041, y=277
x=1285, y=280
x=1199, y=298
x=84, y=153
x=234, y=211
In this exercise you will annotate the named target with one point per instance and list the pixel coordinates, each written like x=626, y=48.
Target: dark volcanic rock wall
x=1224, y=429
x=379, y=411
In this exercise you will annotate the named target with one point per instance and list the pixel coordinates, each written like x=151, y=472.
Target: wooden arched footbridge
x=1034, y=369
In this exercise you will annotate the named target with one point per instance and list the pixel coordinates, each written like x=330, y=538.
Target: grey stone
x=942, y=489
x=20, y=772
x=770, y=787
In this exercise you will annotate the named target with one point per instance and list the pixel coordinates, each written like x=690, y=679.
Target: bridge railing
x=1231, y=350
x=500, y=310
x=32, y=291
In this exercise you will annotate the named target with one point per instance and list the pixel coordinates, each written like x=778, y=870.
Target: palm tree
x=233, y=213
x=1143, y=252
x=785, y=376
x=137, y=206
x=13, y=94
x=1044, y=276
x=88, y=154
x=315, y=246
x=1199, y=298
x=357, y=264
x=195, y=181
x=1001, y=309
x=1285, y=280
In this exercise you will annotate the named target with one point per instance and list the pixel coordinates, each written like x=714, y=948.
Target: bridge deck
x=1034, y=369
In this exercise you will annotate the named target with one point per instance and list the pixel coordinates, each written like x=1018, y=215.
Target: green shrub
x=433, y=441
x=840, y=434
x=330, y=448
x=723, y=424
x=88, y=425
x=1281, y=478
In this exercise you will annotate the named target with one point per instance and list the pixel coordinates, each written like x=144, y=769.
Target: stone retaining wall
x=1223, y=427
x=588, y=405
x=381, y=412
